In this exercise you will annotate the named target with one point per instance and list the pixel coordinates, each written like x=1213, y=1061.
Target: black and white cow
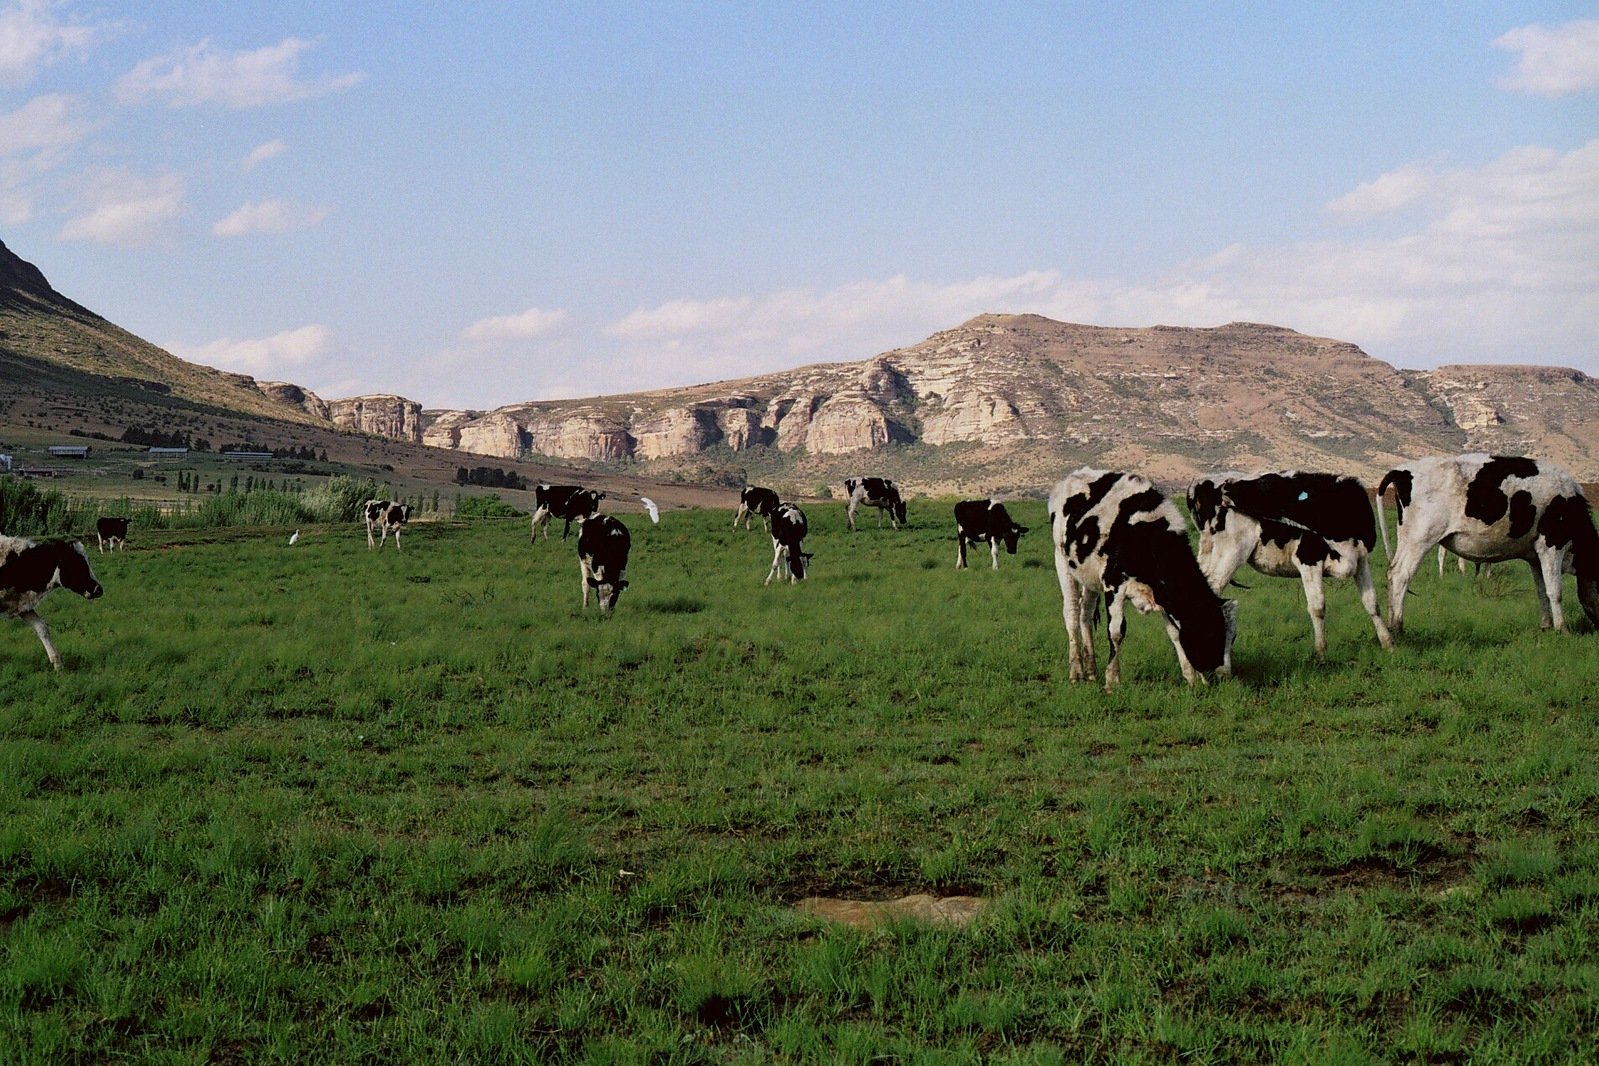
x=1289, y=524
x=977, y=520
x=602, y=546
x=1119, y=535
x=788, y=535
x=113, y=531
x=570, y=503
x=1488, y=508
x=754, y=502
x=30, y=569
x=878, y=492
x=384, y=517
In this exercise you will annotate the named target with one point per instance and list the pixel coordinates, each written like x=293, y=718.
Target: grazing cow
x=383, y=517
x=30, y=569
x=878, y=492
x=114, y=530
x=1118, y=535
x=570, y=503
x=988, y=520
x=602, y=547
x=1487, y=508
x=755, y=501
x=788, y=534
x=1289, y=524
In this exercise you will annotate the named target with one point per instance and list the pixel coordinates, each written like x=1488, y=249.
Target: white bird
x=294, y=536
x=649, y=505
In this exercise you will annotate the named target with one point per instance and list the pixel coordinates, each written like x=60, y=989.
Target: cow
x=977, y=520
x=755, y=501
x=1488, y=508
x=1117, y=534
x=114, y=530
x=878, y=492
x=383, y=517
x=30, y=569
x=1290, y=524
x=602, y=547
x=570, y=503
x=788, y=534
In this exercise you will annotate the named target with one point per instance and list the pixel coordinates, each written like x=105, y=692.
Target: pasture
x=321, y=804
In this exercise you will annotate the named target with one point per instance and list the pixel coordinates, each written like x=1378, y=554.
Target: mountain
x=999, y=404
x=1007, y=402
x=65, y=369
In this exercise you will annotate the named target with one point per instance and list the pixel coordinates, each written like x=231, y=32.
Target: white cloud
x=119, y=207
x=206, y=74
x=268, y=216
x=1492, y=263
x=262, y=152
x=529, y=324
x=48, y=121
x=270, y=356
x=32, y=37
x=1553, y=61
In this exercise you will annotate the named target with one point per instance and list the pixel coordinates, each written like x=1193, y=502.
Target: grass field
x=321, y=804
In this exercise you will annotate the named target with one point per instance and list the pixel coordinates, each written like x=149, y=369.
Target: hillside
x=65, y=370
x=1002, y=403
x=1007, y=401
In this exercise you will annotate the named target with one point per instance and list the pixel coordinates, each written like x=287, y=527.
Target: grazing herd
x=1116, y=537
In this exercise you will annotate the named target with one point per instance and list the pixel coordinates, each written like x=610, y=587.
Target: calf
x=602, y=547
x=1289, y=524
x=788, y=535
x=383, y=517
x=570, y=503
x=878, y=492
x=1118, y=535
x=1487, y=508
x=756, y=501
x=30, y=569
x=114, y=530
x=988, y=520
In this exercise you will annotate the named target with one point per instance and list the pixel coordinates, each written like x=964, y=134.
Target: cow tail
x=1382, y=525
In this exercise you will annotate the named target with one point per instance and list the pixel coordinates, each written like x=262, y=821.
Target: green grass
x=326, y=804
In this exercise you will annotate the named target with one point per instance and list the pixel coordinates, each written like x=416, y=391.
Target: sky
x=481, y=203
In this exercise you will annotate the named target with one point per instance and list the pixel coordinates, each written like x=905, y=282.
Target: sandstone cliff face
x=292, y=395
x=381, y=415
x=1030, y=397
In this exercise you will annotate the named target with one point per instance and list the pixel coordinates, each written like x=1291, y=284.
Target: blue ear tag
x=1304, y=495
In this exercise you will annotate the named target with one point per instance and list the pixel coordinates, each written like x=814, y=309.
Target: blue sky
x=481, y=203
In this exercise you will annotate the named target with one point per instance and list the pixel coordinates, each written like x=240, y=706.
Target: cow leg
x=1368, y=600
x=1316, y=603
x=583, y=575
x=1117, y=625
x=102, y=543
x=1080, y=660
x=1546, y=571
x=993, y=550
x=1401, y=569
x=849, y=513
x=777, y=557
x=43, y=630
x=1190, y=675
x=396, y=538
x=370, y=543
x=960, y=550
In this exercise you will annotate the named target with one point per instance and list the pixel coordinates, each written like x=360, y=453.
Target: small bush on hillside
x=490, y=506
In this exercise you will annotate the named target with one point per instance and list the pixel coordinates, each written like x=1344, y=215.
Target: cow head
x=609, y=590
x=75, y=573
x=799, y=562
x=1012, y=535
x=898, y=509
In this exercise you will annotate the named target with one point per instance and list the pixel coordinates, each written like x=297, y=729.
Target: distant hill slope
x=1006, y=401
x=1002, y=403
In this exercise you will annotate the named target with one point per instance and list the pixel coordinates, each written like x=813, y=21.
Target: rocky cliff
x=1024, y=393
x=381, y=415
